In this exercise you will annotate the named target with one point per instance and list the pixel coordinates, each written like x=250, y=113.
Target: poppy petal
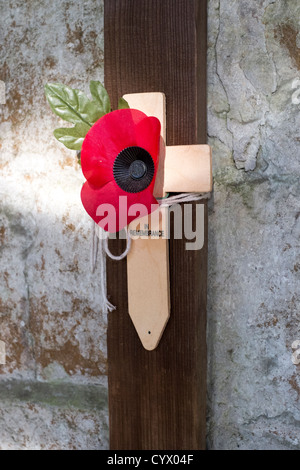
x=112, y=208
x=105, y=140
x=148, y=136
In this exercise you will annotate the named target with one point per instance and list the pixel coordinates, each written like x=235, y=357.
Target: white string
x=99, y=243
x=103, y=236
x=124, y=254
x=183, y=197
x=97, y=246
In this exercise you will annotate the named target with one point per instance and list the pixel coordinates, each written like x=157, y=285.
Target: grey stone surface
x=50, y=306
x=52, y=416
x=253, y=309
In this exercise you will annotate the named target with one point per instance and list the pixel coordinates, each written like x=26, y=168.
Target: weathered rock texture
x=254, y=224
x=53, y=387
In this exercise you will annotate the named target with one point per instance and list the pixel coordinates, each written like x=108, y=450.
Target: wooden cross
x=157, y=399
x=182, y=168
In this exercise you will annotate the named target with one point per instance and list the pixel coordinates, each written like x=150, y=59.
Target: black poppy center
x=133, y=169
x=137, y=169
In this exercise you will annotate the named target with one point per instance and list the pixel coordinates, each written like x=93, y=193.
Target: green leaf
x=72, y=137
x=100, y=96
x=122, y=104
x=71, y=105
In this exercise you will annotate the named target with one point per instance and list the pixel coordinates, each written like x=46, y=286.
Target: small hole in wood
x=149, y=332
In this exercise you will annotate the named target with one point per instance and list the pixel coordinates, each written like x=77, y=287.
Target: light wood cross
x=182, y=168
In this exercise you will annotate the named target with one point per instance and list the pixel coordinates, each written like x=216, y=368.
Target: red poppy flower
x=119, y=157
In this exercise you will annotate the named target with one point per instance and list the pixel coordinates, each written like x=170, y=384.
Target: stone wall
x=53, y=387
x=254, y=225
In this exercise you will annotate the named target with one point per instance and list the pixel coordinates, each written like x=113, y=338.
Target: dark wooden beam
x=157, y=399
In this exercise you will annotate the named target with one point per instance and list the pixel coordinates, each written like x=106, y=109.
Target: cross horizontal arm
x=188, y=168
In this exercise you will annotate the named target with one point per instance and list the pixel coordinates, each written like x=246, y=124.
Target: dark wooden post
x=157, y=399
